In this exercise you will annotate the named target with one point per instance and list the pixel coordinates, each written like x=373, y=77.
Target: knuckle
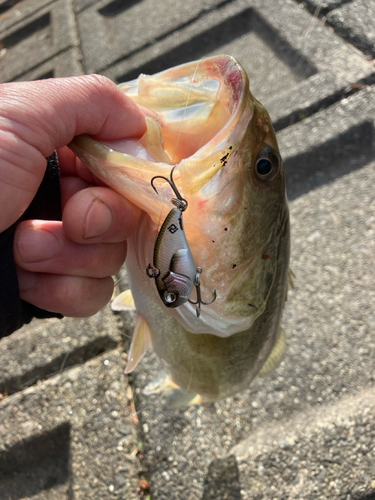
x=106, y=259
x=85, y=296
x=101, y=82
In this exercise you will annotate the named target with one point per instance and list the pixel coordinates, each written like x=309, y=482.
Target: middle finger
x=41, y=246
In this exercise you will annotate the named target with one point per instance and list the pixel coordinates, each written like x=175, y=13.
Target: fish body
x=228, y=168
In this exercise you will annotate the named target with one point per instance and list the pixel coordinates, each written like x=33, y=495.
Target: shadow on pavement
x=36, y=464
x=222, y=480
x=348, y=151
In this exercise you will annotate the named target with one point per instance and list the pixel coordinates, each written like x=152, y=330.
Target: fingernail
x=98, y=220
x=36, y=245
x=149, y=112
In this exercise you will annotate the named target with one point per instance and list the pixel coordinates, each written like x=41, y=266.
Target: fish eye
x=267, y=164
x=170, y=297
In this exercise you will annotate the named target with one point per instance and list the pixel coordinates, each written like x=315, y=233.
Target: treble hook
x=179, y=201
x=199, y=301
x=174, y=268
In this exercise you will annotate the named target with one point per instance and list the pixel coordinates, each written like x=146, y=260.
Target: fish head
x=228, y=169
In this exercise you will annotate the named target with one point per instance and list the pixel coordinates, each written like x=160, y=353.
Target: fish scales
x=229, y=170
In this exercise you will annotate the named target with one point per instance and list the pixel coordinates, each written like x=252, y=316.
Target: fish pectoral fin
x=276, y=355
x=123, y=302
x=162, y=382
x=181, y=398
x=141, y=341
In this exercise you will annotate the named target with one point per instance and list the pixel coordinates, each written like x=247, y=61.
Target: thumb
x=38, y=117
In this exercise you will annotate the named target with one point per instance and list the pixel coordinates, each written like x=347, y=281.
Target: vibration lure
x=174, y=269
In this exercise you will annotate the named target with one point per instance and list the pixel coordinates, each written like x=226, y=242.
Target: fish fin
x=123, y=302
x=276, y=355
x=181, y=397
x=162, y=382
x=141, y=341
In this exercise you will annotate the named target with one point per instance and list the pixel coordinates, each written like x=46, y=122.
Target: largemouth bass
x=229, y=170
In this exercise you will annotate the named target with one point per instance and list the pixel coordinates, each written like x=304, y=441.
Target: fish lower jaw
x=210, y=321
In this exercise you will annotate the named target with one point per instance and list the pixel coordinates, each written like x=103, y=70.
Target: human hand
x=66, y=266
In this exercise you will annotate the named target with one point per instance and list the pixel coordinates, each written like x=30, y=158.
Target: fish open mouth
x=203, y=107
x=195, y=102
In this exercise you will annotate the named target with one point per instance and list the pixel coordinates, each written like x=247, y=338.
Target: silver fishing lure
x=174, y=269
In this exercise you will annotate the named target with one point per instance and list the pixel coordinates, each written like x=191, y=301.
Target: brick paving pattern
x=72, y=424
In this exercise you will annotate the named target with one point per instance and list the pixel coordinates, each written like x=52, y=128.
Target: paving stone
x=296, y=66
x=111, y=30
x=329, y=319
x=6, y=5
x=80, y=5
x=46, y=347
x=320, y=7
x=355, y=21
x=68, y=63
x=324, y=453
x=34, y=32
x=14, y=11
x=71, y=436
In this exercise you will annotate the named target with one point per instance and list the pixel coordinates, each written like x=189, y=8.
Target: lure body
x=176, y=272
x=174, y=263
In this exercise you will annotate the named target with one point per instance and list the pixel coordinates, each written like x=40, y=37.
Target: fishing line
x=177, y=142
x=138, y=411
x=307, y=36
x=186, y=106
x=119, y=279
x=119, y=328
x=308, y=32
x=122, y=275
x=160, y=219
x=190, y=381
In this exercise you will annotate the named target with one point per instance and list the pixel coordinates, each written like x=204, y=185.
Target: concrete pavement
x=73, y=425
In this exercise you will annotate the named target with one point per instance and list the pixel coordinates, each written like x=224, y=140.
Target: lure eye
x=267, y=164
x=170, y=297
